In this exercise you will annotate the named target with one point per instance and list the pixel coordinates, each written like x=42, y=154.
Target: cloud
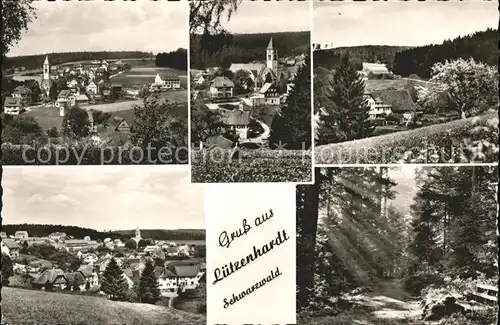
x=70, y=26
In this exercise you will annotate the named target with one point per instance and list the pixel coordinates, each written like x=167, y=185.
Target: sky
x=406, y=187
x=399, y=23
x=268, y=17
x=103, y=197
x=70, y=26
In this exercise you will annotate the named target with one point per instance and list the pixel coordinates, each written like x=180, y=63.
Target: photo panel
x=418, y=85
x=250, y=88
x=251, y=253
x=102, y=245
x=398, y=245
x=95, y=83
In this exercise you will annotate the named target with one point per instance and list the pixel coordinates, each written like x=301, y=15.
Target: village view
x=76, y=103
x=116, y=267
x=251, y=100
x=431, y=103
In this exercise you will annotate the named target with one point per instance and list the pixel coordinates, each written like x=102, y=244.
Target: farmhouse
x=54, y=278
x=167, y=82
x=22, y=92
x=401, y=103
x=221, y=87
x=12, y=106
x=10, y=247
x=118, y=124
x=21, y=234
x=237, y=121
x=267, y=95
x=72, y=245
x=374, y=68
x=377, y=107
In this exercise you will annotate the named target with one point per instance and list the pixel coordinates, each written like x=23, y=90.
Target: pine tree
x=148, y=291
x=292, y=127
x=113, y=282
x=347, y=115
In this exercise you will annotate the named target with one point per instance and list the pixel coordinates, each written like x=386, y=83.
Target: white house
x=377, y=107
x=221, y=87
x=21, y=234
x=10, y=247
x=92, y=88
x=12, y=106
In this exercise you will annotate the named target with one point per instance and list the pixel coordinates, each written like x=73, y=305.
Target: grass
x=145, y=74
x=21, y=306
x=47, y=117
x=390, y=148
x=384, y=84
x=260, y=165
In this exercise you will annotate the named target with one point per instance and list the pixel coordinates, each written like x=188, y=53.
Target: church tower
x=137, y=233
x=46, y=76
x=272, y=57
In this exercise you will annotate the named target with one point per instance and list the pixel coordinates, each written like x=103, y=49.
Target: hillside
x=37, y=230
x=20, y=306
x=482, y=46
x=330, y=58
x=244, y=48
x=36, y=61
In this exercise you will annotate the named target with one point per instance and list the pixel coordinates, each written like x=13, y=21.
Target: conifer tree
x=148, y=291
x=347, y=115
x=113, y=282
x=292, y=127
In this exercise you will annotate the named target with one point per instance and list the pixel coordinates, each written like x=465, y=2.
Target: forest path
x=390, y=301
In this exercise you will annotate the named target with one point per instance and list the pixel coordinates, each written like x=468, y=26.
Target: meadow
x=259, y=165
x=22, y=306
x=447, y=138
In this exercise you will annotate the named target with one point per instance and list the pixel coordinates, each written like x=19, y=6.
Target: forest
x=481, y=46
x=244, y=48
x=36, y=61
x=331, y=58
x=43, y=230
x=361, y=259
x=175, y=59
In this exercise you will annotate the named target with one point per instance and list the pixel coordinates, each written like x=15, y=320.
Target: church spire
x=46, y=62
x=270, y=45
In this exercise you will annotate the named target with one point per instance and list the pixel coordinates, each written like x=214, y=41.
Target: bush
x=442, y=143
x=415, y=283
x=260, y=165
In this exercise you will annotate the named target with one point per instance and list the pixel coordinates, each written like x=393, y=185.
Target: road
x=261, y=138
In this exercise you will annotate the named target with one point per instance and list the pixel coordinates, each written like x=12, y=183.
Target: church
x=137, y=237
x=261, y=73
x=46, y=81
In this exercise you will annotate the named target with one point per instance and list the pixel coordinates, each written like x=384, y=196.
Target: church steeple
x=272, y=57
x=46, y=76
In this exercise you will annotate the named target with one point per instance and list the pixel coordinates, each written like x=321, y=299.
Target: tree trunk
x=308, y=219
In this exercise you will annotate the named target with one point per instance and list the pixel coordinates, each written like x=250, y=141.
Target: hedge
x=438, y=143
x=260, y=165
x=88, y=155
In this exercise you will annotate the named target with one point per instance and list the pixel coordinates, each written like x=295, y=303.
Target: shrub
x=260, y=165
x=415, y=283
x=443, y=143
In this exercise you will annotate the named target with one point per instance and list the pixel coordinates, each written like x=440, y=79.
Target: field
x=395, y=84
x=21, y=306
x=260, y=165
x=47, y=117
x=145, y=72
x=392, y=148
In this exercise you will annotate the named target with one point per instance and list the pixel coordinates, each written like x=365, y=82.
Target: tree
x=113, y=282
x=7, y=269
x=148, y=291
x=21, y=129
x=347, y=111
x=76, y=284
x=472, y=86
x=35, y=90
x=53, y=91
x=200, y=251
x=240, y=80
x=52, y=132
x=131, y=244
x=292, y=128
x=142, y=243
x=16, y=15
x=76, y=123
x=205, y=123
x=157, y=124
x=87, y=286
